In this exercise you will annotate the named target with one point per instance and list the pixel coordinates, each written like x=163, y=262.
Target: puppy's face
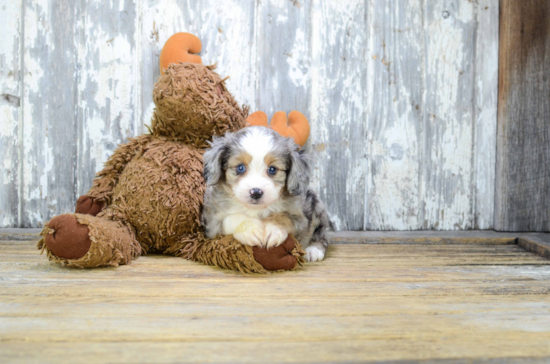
x=255, y=173
x=256, y=165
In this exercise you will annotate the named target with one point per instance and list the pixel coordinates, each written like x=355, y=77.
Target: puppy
x=257, y=190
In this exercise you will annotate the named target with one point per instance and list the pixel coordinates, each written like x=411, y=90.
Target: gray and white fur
x=257, y=190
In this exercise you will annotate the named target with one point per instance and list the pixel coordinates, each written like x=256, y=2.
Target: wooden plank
x=338, y=112
x=395, y=106
x=10, y=110
x=203, y=307
x=371, y=257
x=424, y=237
x=19, y=234
x=485, y=110
x=226, y=30
x=426, y=248
x=523, y=142
x=183, y=272
x=449, y=119
x=362, y=303
x=260, y=288
x=443, y=348
x=283, y=56
x=49, y=108
x=538, y=244
x=430, y=166
x=355, y=263
x=365, y=237
x=110, y=327
x=109, y=84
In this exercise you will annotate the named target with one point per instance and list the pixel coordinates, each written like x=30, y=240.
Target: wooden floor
x=364, y=302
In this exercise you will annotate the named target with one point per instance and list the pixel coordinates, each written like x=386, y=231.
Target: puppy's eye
x=272, y=170
x=241, y=169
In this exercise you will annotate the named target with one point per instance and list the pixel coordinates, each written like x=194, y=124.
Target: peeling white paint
x=486, y=92
x=337, y=114
x=399, y=138
x=113, y=80
x=148, y=114
x=298, y=69
x=282, y=19
x=109, y=88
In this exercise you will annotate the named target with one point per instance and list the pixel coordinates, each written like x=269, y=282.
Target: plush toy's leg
x=228, y=253
x=88, y=241
x=88, y=206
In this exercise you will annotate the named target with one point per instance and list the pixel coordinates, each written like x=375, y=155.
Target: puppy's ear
x=297, y=180
x=214, y=159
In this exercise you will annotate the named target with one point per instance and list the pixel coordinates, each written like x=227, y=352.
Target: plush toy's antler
x=181, y=47
x=296, y=127
x=258, y=118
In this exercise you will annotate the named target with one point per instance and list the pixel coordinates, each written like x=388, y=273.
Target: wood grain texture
x=395, y=88
x=424, y=237
x=10, y=110
x=485, y=111
x=447, y=183
x=283, y=55
x=538, y=244
x=109, y=84
x=401, y=98
x=338, y=92
x=364, y=302
x=431, y=115
x=523, y=139
x=49, y=108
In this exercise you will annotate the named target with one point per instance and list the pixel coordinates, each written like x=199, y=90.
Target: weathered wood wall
x=401, y=96
x=523, y=164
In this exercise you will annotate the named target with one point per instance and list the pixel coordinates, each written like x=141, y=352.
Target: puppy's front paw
x=274, y=235
x=315, y=253
x=251, y=233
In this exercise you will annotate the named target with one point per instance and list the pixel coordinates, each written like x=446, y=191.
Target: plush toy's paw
x=88, y=206
x=250, y=232
x=278, y=258
x=67, y=238
x=315, y=253
x=274, y=235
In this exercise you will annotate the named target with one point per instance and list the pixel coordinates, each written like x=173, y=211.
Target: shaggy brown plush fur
x=151, y=189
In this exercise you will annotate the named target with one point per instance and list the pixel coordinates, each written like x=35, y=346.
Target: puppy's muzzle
x=256, y=193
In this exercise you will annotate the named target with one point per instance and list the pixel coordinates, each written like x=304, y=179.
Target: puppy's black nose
x=256, y=193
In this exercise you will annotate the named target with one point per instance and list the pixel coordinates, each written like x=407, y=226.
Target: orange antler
x=296, y=126
x=180, y=47
x=258, y=118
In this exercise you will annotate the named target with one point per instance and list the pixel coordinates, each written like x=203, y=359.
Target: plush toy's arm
x=228, y=253
x=107, y=178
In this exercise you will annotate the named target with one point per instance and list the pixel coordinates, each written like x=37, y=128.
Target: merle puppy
x=257, y=190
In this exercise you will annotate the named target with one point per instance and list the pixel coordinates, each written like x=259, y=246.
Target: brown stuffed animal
x=148, y=197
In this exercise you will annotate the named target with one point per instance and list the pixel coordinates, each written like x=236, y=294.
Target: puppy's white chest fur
x=238, y=208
